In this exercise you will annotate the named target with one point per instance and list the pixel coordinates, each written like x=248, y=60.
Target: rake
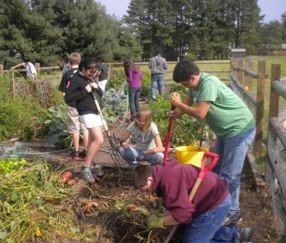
x=112, y=139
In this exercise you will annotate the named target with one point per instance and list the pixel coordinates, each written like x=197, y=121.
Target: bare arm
x=18, y=65
x=159, y=146
x=199, y=111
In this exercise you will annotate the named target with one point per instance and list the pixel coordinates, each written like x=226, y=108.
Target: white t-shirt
x=30, y=70
x=144, y=140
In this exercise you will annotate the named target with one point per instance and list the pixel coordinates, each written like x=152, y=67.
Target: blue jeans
x=206, y=227
x=157, y=83
x=232, y=153
x=155, y=158
x=134, y=95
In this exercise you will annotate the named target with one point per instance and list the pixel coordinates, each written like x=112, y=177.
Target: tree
x=204, y=28
x=46, y=30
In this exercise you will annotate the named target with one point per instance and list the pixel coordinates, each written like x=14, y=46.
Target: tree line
x=46, y=30
x=203, y=28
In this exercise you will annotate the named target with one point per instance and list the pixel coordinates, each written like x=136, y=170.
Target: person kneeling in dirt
x=148, y=145
x=83, y=91
x=203, y=216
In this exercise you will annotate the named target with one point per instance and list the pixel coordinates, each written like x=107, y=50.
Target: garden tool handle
x=205, y=168
x=168, y=136
x=100, y=112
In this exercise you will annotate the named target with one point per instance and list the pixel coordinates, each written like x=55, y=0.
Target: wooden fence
x=241, y=81
x=275, y=171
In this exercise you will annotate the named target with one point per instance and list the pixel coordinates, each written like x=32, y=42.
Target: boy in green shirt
x=228, y=117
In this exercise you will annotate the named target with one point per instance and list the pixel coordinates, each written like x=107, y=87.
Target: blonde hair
x=146, y=116
x=74, y=58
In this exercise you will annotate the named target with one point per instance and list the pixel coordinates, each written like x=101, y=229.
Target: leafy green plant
x=186, y=130
x=55, y=127
x=115, y=104
x=22, y=118
x=117, y=79
x=146, y=84
x=7, y=165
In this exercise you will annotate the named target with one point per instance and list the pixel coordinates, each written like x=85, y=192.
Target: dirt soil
x=117, y=212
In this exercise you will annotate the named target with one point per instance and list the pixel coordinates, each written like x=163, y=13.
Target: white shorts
x=92, y=120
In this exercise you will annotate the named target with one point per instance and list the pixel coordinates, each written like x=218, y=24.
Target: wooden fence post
x=1, y=69
x=274, y=98
x=38, y=68
x=240, y=74
x=13, y=84
x=259, y=108
x=248, y=78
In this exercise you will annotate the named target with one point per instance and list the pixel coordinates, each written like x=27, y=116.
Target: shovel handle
x=100, y=113
x=168, y=136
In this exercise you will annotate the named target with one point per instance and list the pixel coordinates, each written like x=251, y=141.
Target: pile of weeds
x=35, y=205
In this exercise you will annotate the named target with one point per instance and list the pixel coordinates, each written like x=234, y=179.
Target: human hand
x=94, y=85
x=124, y=143
x=88, y=88
x=171, y=113
x=155, y=222
x=175, y=98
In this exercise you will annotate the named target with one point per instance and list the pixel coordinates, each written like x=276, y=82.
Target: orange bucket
x=190, y=154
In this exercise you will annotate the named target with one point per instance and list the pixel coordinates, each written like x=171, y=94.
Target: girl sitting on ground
x=148, y=145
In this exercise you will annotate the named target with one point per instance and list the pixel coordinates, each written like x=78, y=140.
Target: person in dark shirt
x=103, y=73
x=203, y=216
x=74, y=125
x=83, y=90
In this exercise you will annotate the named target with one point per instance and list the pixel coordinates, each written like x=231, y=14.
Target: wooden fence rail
x=241, y=84
x=275, y=165
x=275, y=173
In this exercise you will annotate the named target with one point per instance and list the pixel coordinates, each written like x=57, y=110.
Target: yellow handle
x=101, y=115
x=195, y=188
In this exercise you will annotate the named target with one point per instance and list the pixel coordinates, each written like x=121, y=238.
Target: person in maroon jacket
x=203, y=216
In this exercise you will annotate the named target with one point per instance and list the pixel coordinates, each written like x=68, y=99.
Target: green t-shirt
x=228, y=115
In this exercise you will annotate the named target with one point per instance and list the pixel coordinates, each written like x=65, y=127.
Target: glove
x=88, y=88
x=155, y=222
x=94, y=85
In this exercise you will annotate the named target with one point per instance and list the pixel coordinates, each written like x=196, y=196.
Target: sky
x=272, y=9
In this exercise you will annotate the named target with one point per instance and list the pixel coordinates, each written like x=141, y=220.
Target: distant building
x=281, y=51
x=237, y=52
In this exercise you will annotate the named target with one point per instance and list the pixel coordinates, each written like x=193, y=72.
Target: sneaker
x=87, y=175
x=245, y=234
x=97, y=170
x=75, y=155
x=82, y=154
x=233, y=219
